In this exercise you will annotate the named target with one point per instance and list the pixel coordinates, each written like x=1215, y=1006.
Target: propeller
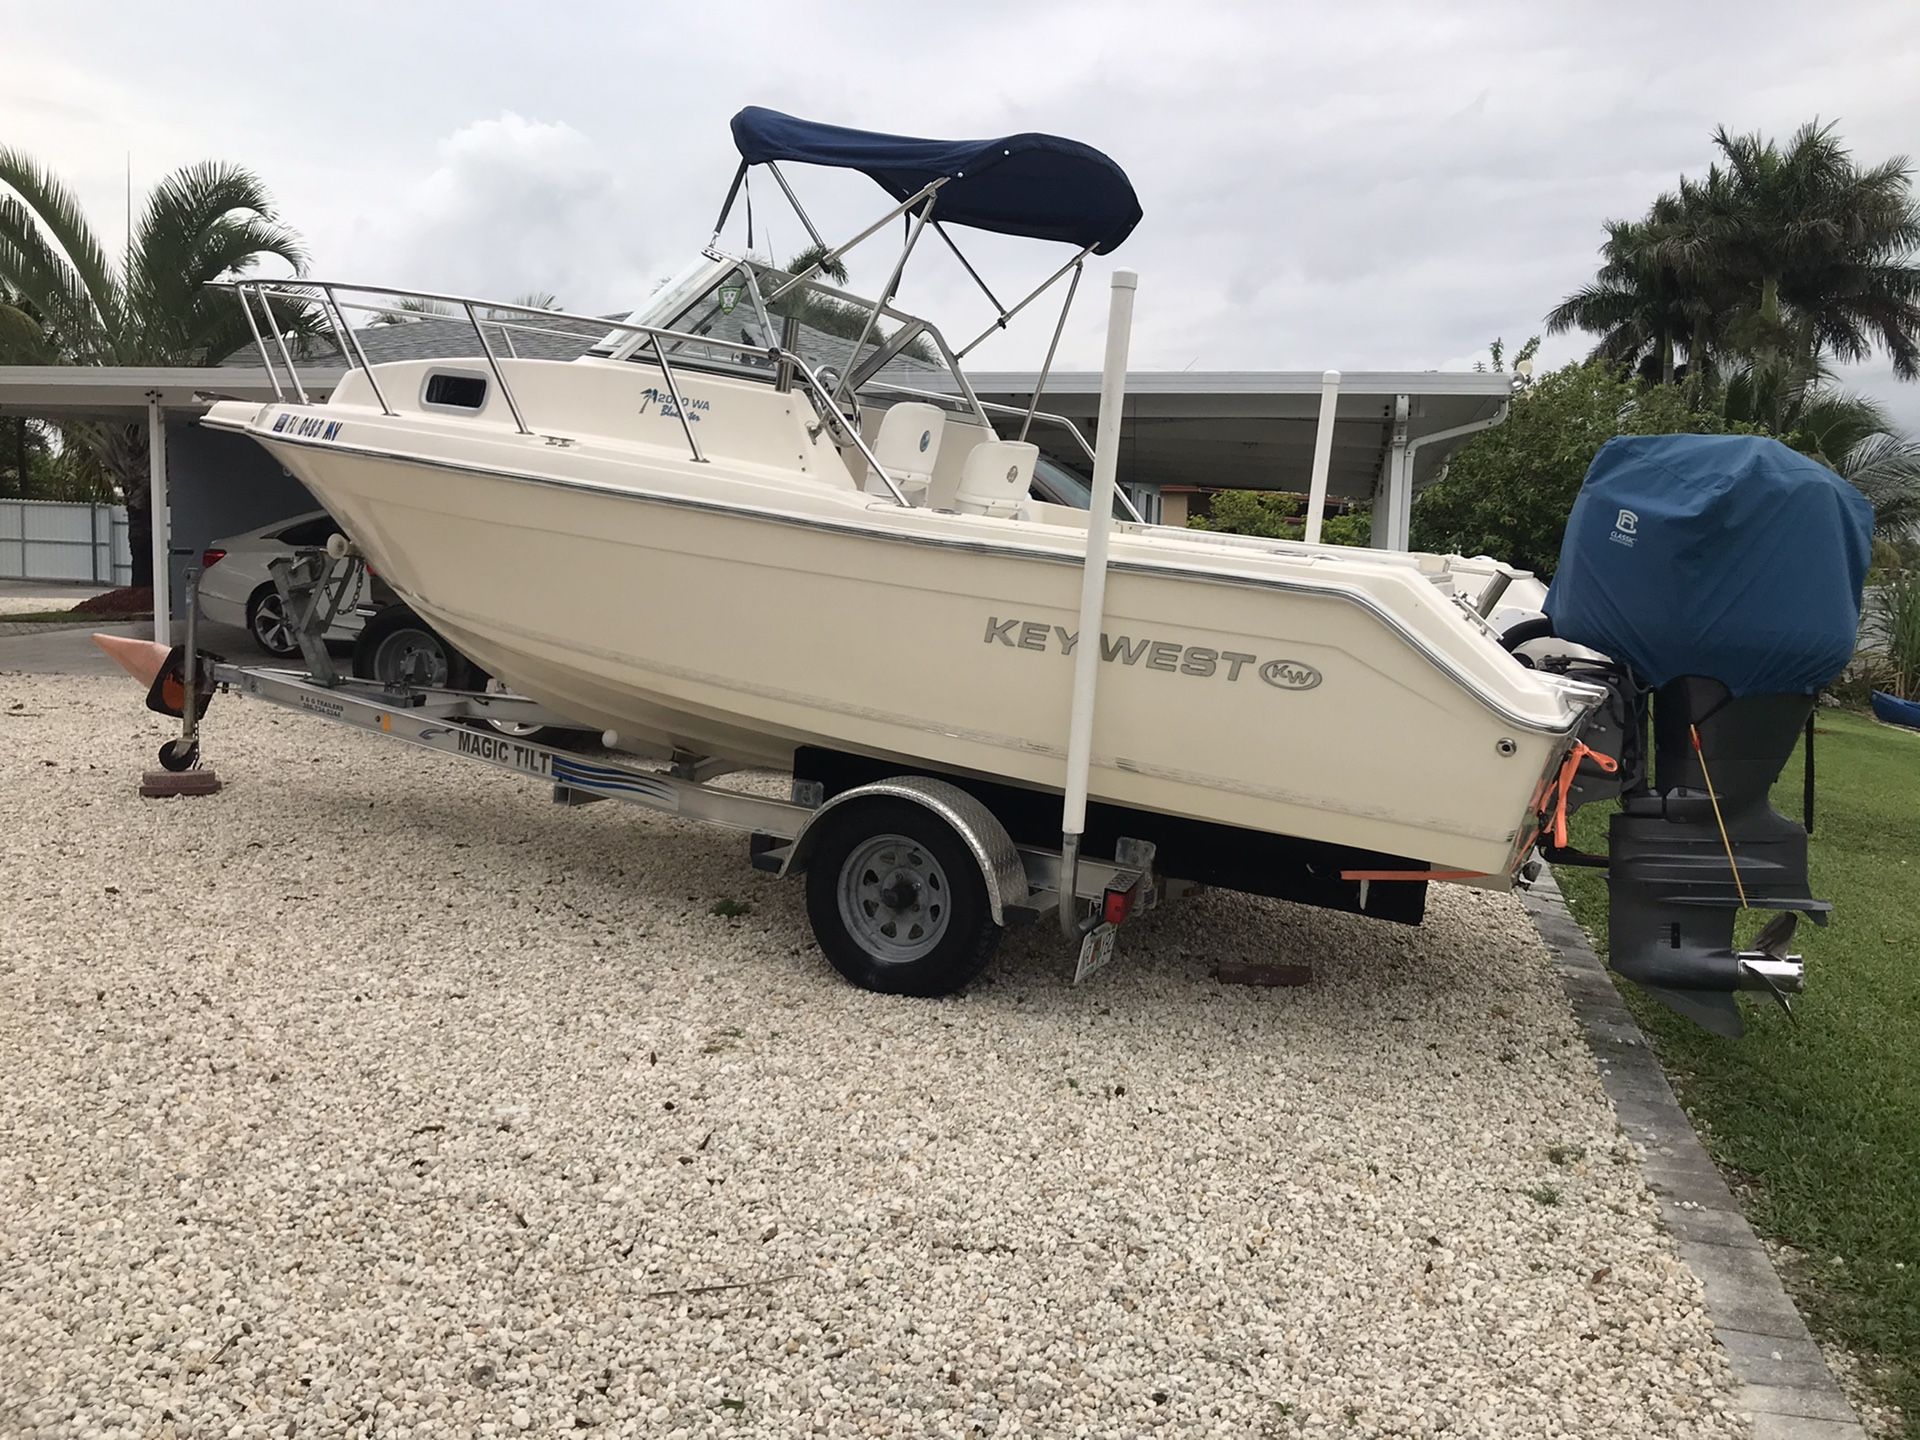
x=1770, y=945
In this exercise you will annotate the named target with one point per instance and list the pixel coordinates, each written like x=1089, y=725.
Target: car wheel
x=517, y=729
x=267, y=620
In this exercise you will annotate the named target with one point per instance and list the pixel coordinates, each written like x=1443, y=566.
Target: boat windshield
x=1055, y=482
x=713, y=298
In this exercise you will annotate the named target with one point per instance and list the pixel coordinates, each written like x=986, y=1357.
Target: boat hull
x=733, y=631
x=1892, y=710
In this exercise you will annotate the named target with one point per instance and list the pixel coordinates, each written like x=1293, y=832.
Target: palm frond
x=22, y=341
x=65, y=230
x=408, y=308
x=34, y=271
x=834, y=270
x=1886, y=469
x=201, y=223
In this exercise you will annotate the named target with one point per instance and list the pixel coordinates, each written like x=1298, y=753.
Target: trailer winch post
x=190, y=659
x=1093, y=593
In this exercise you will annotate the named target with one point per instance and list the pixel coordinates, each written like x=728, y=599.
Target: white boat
x=684, y=556
x=715, y=546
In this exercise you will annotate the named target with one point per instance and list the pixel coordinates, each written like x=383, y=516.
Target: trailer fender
x=982, y=833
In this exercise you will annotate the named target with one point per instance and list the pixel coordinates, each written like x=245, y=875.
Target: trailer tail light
x=211, y=557
x=1116, y=906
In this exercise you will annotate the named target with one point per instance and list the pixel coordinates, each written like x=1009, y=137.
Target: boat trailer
x=910, y=878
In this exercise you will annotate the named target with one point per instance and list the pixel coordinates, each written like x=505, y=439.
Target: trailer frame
x=1022, y=882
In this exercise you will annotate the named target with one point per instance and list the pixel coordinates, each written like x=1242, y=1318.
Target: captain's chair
x=997, y=478
x=908, y=447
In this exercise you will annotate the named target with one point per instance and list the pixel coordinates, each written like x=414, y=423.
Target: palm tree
x=1775, y=258
x=408, y=308
x=1850, y=434
x=834, y=316
x=1820, y=251
x=204, y=222
x=834, y=269
x=1638, y=304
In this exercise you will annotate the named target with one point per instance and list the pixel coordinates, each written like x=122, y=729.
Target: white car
x=390, y=643
x=237, y=589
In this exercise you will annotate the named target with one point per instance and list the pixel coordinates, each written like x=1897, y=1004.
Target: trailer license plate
x=1095, y=951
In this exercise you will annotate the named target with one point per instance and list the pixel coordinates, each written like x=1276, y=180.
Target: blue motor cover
x=1729, y=556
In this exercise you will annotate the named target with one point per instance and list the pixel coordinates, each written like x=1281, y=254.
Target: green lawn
x=1819, y=1125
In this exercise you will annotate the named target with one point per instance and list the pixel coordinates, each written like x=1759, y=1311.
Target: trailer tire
x=177, y=756
x=897, y=900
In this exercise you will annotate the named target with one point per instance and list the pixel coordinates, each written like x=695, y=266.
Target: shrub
x=1278, y=517
x=1890, y=647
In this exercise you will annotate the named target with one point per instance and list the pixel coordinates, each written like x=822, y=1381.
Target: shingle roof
x=435, y=337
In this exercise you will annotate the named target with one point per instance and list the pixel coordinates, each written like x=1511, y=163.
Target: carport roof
x=1250, y=429
x=121, y=392
x=1254, y=429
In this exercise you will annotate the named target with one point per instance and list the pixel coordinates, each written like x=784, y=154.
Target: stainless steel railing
x=326, y=295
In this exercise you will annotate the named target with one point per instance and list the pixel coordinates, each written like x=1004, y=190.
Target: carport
x=1372, y=438
x=166, y=399
x=1366, y=438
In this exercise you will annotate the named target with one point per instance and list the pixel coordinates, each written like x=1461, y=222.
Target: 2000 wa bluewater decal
x=660, y=402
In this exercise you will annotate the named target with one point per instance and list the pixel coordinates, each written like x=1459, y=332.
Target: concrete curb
x=1785, y=1387
x=41, y=627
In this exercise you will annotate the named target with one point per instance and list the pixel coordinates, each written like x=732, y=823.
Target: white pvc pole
x=1322, y=455
x=1093, y=578
x=157, y=509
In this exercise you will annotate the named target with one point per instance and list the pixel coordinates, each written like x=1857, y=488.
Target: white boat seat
x=997, y=478
x=908, y=447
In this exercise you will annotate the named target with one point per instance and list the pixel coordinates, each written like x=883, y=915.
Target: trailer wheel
x=897, y=901
x=179, y=755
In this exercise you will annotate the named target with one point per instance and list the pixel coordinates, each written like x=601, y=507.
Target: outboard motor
x=1722, y=576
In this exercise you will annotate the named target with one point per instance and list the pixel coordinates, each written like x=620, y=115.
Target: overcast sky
x=1367, y=186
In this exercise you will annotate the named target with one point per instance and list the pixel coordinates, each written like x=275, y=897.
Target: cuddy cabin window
x=455, y=390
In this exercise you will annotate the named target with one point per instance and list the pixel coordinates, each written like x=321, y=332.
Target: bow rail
x=482, y=315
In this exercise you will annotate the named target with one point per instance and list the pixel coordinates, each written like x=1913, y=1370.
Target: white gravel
x=376, y=1095
x=26, y=600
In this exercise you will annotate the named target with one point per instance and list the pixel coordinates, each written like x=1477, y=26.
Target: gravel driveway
x=376, y=1095
x=25, y=597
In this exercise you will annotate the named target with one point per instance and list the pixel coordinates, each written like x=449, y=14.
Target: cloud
x=512, y=205
x=1380, y=186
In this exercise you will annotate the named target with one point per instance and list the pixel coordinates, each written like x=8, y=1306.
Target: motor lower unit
x=1721, y=577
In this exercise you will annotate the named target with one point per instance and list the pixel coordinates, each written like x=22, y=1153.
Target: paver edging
x=1785, y=1385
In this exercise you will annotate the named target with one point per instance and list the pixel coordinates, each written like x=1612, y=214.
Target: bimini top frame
x=1033, y=185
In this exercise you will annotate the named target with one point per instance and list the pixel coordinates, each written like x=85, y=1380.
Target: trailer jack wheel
x=897, y=900
x=179, y=755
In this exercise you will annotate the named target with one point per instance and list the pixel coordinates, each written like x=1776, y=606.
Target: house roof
x=436, y=337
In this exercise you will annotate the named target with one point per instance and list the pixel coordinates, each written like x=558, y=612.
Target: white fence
x=62, y=540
